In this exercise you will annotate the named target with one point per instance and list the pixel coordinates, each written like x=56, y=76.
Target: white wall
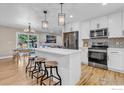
x=7, y=40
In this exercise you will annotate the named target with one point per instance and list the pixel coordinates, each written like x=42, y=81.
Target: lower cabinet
x=84, y=56
x=116, y=59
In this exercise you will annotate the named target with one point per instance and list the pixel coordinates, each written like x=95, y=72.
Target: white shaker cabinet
x=115, y=25
x=103, y=22
x=72, y=27
x=116, y=59
x=94, y=23
x=84, y=56
x=99, y=23
x=85, y=30
x=76, y=26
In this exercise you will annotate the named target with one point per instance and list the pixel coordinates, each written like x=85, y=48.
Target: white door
x=85, y=30
x=115, y=25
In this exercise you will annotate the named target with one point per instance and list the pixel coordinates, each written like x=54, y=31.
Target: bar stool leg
x=45, y=73
x=30, y=67
x=58, y=75
x=38, y=72
x=27, y=66
x=39, y=69
x=33, y=71
x=51, y=74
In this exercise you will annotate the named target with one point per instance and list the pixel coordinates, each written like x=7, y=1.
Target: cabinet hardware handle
x=114, y=52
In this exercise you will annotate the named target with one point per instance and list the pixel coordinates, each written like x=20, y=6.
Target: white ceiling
x=19, y=15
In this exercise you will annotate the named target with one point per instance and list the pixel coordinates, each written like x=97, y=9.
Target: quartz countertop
x=59, y=51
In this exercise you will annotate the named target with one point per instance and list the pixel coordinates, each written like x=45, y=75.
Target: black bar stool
x=49, y=76
x=30, y=64
x=39, y=68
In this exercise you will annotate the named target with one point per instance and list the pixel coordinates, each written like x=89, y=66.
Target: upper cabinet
x=72, y=27
x=94, y=23
x=76, y=26
x=103, y=21
x=99, y=23
x=85, y=30
x=114, y=22
x=115, y=25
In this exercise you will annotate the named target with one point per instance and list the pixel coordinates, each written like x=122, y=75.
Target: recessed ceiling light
x=71, y=16
x=104, y=4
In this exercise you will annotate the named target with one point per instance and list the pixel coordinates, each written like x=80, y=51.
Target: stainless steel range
x=97, y=55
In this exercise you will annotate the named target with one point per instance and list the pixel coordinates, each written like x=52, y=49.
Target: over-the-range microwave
x=99, y=33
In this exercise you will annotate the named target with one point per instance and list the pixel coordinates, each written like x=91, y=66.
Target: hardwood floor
x=13, y=73
x=96, y=76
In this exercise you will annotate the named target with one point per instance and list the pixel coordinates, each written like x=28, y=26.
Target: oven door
x=97, y=57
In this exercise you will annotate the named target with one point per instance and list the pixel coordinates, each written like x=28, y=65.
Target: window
x=25, y=40
x=50, y=39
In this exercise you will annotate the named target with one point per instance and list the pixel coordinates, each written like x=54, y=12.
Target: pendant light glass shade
x=45, y=22
x=61, y=17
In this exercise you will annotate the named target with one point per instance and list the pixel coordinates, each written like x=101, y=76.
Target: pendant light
x=45, y=22
x=29, y=30
x=61, y=17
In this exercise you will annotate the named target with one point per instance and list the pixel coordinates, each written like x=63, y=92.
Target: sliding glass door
x=32, y=41
x=24, y=40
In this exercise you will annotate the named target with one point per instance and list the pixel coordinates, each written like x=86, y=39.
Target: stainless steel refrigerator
x=70, y=40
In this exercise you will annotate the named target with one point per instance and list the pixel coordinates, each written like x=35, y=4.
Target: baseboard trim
x=116, y=70
x=4, y=57
x=85, y=63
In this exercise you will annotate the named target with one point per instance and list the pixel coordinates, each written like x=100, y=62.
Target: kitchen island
x=69, y=63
